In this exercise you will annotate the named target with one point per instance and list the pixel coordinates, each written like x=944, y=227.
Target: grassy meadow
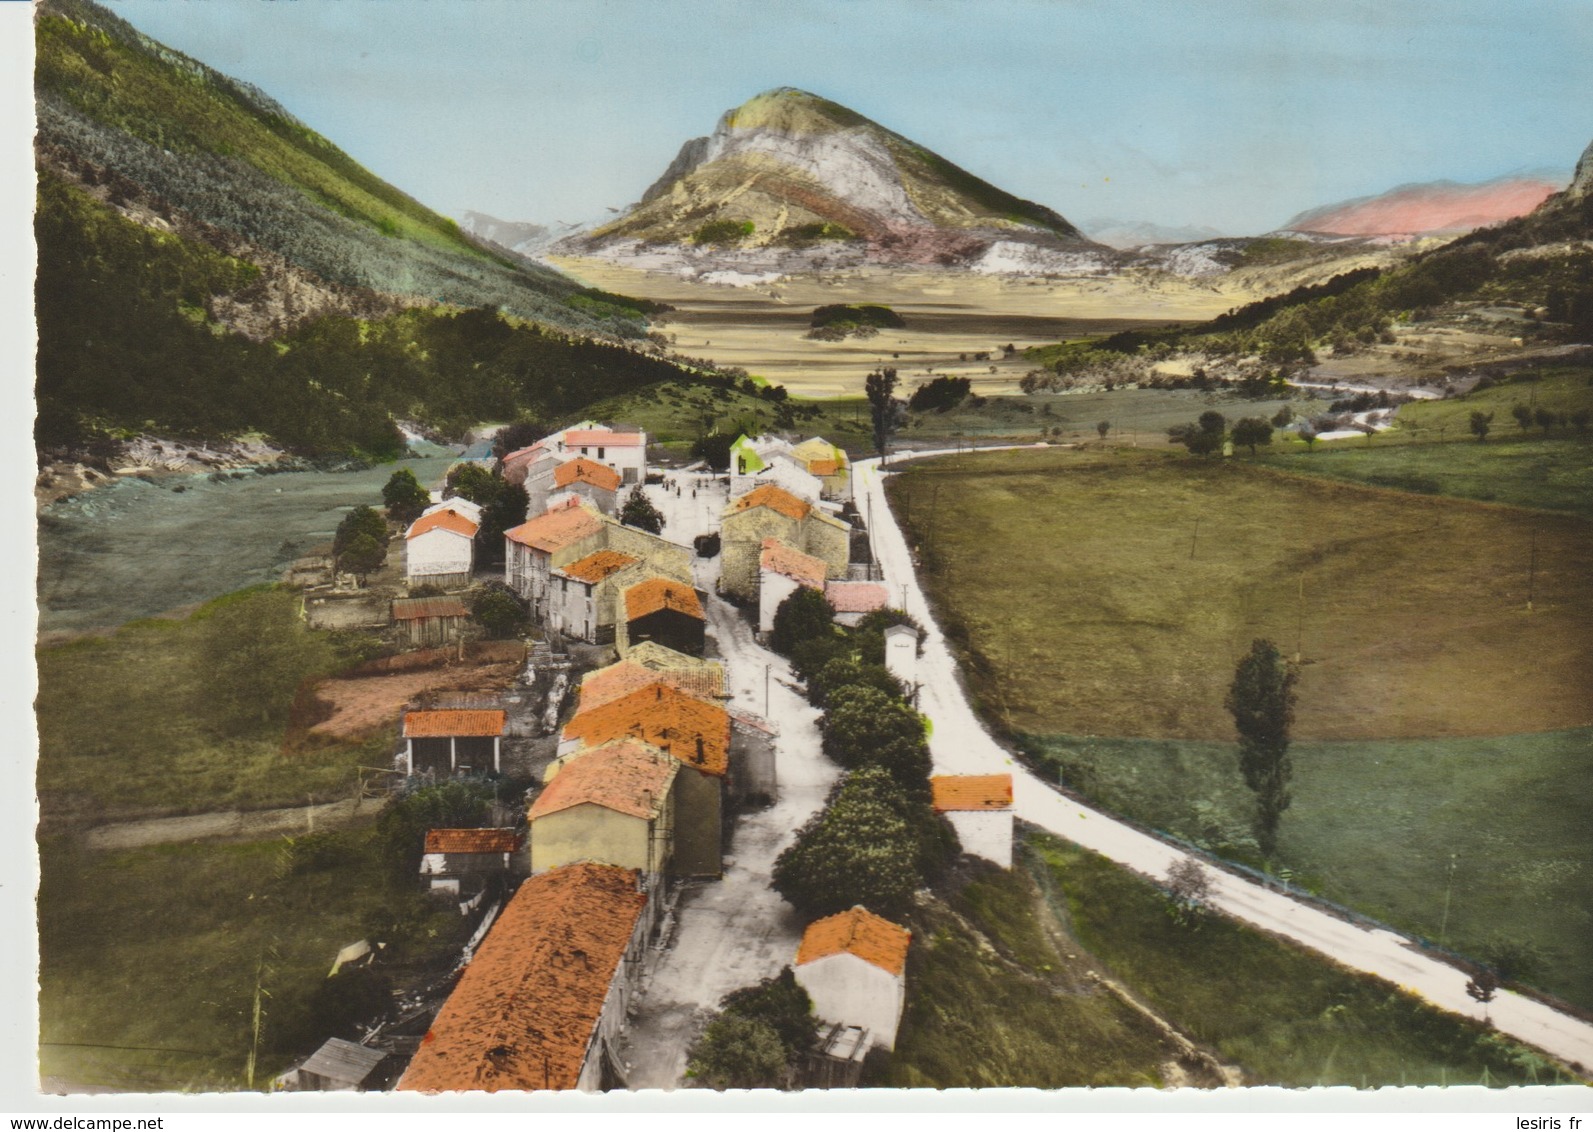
x=1110, y=592
x=149, y=958
x=1373, y=826
x=188, y=715
x=1003, y=995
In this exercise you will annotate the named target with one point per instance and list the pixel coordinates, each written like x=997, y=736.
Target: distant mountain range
x=1130, y=234
x=789, y=177
x=1430, y=209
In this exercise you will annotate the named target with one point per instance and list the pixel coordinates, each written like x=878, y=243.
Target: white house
x=901, y=656
x=440, y=547
x=460, y=506
x=854, y=967
x=781, y=572
x=623, y=449
x=979, y=808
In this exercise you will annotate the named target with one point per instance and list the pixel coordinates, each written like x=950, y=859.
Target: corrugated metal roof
x=343, y=1061
x=419, y=608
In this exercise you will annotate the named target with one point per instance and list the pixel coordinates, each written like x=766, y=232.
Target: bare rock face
x=1439, y=207
x=1582, y=180
x=791, y=178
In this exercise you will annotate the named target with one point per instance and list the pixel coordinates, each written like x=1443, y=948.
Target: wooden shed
x=338, y=1066
x=445, y=742
x=428, y=622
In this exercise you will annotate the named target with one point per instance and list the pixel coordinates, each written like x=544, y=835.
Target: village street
x=960, y=745
x=734, y=931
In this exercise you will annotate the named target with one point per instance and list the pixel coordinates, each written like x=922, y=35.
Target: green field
x=1367, y=832
x=138, y=723
x=1110, y=592
x=149, y=958
x=1001, y=994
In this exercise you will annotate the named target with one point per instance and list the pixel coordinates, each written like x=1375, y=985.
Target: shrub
x=804, y=615
x=844, y=670
x=498, y=611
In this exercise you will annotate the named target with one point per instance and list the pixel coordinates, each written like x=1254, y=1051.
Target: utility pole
x=1532, y=571
x=1449, y=886
x=765, y=691
x=1192, y=537
x=1299, y=620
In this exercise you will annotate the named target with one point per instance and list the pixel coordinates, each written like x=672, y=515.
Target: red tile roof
x=661, y=593
x=971, y=792
x=471, y=840
x=857, y=932
x=444, y=724
x=692, y=730
x=595, y=567
x=792, y=563
x=626, y=776
x=417, y=608
x=557, y=528
x=576, y=437
x=822, y=467
x=776, y=498
x=583, y=470
x=856, y=597
x=444, y=520
x=525, y=453
x=524, y=1013
x=706, y=682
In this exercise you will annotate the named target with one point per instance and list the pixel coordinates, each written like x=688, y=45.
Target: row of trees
x=1206, y=435
x=877, y=840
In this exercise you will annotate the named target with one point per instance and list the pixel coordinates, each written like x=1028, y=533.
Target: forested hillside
x=208, y=264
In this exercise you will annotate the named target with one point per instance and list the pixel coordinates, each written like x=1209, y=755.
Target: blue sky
x=1230, y=114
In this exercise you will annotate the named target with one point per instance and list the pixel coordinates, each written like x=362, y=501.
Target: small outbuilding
x=596, y=483
x=853, y=601
x=339, y=1066
x=451, y=741
x=429, y=622
x=664, y=611
x=439, y=549
x=979, y=808
x=854, y=967
x=782, y=570
x=463, y=861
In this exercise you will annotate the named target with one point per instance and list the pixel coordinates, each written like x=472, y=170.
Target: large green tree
x=254, y=652
x=863, y=726
x=639, y=512
x=1261, y=700
x=404, y=497
x=857, y=850
x=879, y=387
x=803, y=616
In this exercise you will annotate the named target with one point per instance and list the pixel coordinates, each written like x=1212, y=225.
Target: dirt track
x=230, y=825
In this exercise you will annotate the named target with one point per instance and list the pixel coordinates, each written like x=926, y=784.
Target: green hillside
x=208, y=264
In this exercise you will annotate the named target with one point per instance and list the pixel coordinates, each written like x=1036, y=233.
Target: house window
x=599, y=453
x=583, y=450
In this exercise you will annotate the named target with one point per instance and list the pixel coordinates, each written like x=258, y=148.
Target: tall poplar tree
x=1262, y=702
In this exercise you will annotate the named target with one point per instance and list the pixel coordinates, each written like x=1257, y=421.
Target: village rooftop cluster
x=578, y=893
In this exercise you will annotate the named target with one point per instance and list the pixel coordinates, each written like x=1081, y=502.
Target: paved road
x=734, y=931
x=961, y=745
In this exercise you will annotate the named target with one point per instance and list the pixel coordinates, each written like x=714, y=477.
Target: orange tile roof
x=557, y=528
x=856, y=597
x=445, y=520
x=524, y=1013
x=776, y=498
x=443, y=724
x=525, y=453
x=471, y=840
x=706, y=682
x=822, y=467
x=787, y=560
x=576, y=437
x=626, y=776
x=971, y=792
x=694, y=731
x=595, y=567
x=857, y=932
x=661, y=593
x=416, y=608
x=586, y=471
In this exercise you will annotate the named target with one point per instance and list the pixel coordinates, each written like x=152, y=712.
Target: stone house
x=516, y=464
x=664, y=611
x=543, y=1003
x=596, y=483
x=622, y=448
x=772, y=512
x=427, y=622
x=650, y=663
x=613, y=803
x=568, y=534
x=979, y=808
x=580, y=604
x=453, y=740
x=781, y=572
x=854, y=967
x=693, y=731
x=768, y=460
x=459, y=862
x=440, y=548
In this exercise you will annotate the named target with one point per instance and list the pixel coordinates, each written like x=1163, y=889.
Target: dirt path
x=736, y=930
x=228, y=825
x=960, y=744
